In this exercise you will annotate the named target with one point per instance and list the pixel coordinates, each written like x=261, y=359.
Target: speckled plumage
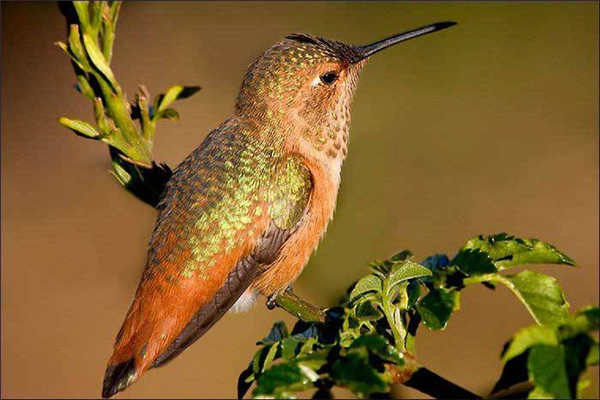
x=245, y=210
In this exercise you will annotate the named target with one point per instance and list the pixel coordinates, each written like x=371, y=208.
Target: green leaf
x=529, y=337
x=405, y=270
x=539, y=393
x=288, y=348
x=576, y=353
x=367, y=284
x=366, y=311
x=474, y=262
x=354, y=372
x=546, y=365
x=259, y=360
x=413, y=291
x=304, y=331
x=82, y=9
x=592, y=358
x=113, y=12
x=315, y=360
x=541, y=294
x=377, y=345
x=282, y=380
x=582, y=322
x=96, y=14
x=84, y=87
x=176, y=92
x=80, y=128
x=121, y=175
x=509, y=251
x=72, y=56
x=582, y=385
x=169, y=114
x=401, y=256
x=456, y=299
x=278, y=331
x=308, y=346
x=585, y=320
x=98, y=60
x=514, y=372
x=245, y=381
x=271, y=354
x=436, y=308
x=76, y=47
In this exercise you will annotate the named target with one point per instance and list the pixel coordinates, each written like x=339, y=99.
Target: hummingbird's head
x=306, y=83
x=303, y=73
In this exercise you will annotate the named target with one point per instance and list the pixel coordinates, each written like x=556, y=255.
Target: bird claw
x=271, y=303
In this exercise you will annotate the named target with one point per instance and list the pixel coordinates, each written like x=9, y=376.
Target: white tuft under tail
x=245, y=302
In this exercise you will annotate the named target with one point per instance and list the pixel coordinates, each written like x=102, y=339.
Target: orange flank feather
x=166, y=301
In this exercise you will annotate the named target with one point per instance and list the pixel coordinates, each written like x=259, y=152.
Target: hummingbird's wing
x=287, y=197
x=226, y=213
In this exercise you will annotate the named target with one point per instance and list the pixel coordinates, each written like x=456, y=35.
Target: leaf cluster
x=127, y=128
x=554, y=358
x=368, y=341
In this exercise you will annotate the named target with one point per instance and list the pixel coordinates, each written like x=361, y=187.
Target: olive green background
x=489, y=126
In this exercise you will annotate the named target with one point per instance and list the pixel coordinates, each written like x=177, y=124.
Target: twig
x=430, y=383
x=518, y=391
x=299, y=308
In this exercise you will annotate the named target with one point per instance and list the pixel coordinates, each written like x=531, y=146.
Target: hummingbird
x=242, y=214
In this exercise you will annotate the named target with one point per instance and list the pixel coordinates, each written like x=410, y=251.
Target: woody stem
x=299, y=308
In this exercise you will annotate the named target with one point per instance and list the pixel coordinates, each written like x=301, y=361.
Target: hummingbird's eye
x=329, y=78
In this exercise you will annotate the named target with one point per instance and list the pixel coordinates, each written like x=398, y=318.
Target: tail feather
x=126, y=364
x=156, y=330
x=118, y=377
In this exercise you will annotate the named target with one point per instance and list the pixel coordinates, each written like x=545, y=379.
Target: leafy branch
x=127, y=128
x=367, y=342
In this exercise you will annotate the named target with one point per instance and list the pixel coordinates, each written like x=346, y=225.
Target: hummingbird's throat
x=330, y=138
x=326, y=124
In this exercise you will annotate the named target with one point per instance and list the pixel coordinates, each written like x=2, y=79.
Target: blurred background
x=487, y=127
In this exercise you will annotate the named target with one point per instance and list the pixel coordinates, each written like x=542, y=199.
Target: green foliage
x=127, y=128
x=508, y=251
x=553, y=357
x=541, y=295
x=367, y=342
x=436, y=308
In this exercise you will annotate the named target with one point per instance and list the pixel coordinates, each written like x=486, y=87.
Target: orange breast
x=297, y=250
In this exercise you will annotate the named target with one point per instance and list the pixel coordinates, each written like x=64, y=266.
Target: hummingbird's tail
x=123, y=369
x=137, y=345
x=118, y=377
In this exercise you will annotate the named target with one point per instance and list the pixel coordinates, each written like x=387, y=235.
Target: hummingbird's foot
x=271, y=304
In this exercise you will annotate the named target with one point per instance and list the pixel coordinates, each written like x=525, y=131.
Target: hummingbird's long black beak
x=370, y=49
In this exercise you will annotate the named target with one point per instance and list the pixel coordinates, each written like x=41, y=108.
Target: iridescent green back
x=219, y=192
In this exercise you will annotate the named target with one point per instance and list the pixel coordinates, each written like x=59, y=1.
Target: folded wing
x=225, y=215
